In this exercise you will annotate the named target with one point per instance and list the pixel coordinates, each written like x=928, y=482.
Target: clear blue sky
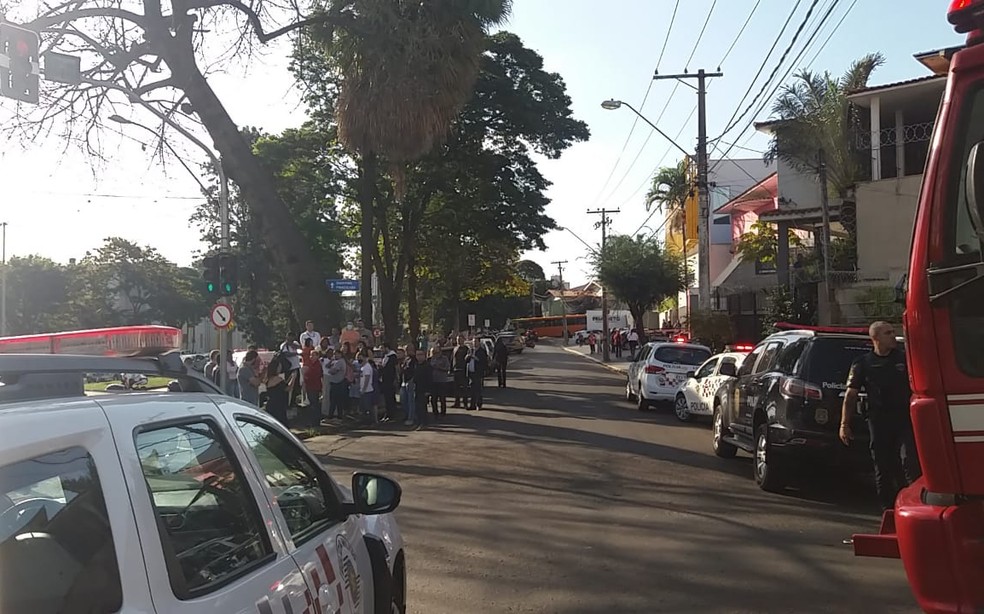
x=59, y=205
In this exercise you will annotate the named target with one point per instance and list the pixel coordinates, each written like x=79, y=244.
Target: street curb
x=611, y=368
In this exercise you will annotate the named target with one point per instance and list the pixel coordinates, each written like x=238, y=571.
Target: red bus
x=937, y=525
x=119, y=341
x=550, y=326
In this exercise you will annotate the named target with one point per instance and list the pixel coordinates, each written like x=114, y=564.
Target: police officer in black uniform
x=883, y=376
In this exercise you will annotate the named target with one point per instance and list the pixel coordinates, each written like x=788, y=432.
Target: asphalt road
x=561, y=497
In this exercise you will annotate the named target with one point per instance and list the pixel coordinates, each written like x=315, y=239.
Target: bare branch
x=42, y=23
x=334, y=18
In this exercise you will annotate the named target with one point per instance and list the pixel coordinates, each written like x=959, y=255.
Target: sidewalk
x=618, y=365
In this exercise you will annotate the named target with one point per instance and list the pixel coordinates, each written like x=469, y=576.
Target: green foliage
x=712, y=328
x=878, y=303
x=760, y=243
x=638, y=272
x=37, y=296
x=783, y=306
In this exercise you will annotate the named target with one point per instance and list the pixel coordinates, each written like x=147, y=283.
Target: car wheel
x=680, y=408
x=767, y=471
x=641, y=403
x=721, y=447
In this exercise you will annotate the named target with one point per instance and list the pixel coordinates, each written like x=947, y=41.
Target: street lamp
x=593, y=250
x=223, y=210
x=611, y=105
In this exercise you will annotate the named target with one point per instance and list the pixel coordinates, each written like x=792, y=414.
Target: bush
x=712, y=328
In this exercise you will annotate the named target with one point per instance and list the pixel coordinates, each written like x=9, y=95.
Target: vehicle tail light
x=651, y=369
x=743, y=347
x=797, y=388
x=967, y=16
x=680, y=339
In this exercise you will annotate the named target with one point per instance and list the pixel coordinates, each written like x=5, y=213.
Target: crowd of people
x=346, y=376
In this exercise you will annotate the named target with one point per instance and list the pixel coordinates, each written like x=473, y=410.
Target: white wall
x=886, y=214
x=801, y=189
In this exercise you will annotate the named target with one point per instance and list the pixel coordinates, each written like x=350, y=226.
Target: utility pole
x=825, y=231
x=3, y=281
x=703, y=197
x=606, y=354
x=563, y=302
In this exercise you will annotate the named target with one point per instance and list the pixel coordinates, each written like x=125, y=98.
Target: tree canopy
x=639, y=272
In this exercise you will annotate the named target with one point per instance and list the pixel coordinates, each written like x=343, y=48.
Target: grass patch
x=152, y=382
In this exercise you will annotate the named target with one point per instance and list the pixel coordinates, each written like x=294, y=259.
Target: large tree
x=640, y=273
x=37, y=296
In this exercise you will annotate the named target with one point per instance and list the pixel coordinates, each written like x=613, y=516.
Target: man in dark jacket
x=459, y=368
x=423, y=383
x=387, y=374
x=500, y=355
x=477, y=365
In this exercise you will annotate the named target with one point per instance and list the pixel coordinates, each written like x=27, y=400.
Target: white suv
x=658, y=369
x=178, y=500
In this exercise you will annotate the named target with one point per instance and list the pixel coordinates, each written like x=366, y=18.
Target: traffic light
x=19, y=63
x=228, y=274
x=211, y=274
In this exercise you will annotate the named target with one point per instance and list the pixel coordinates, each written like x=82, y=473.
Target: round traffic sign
x=221, y=315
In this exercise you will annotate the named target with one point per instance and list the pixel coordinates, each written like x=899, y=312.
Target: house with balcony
x=890, y=140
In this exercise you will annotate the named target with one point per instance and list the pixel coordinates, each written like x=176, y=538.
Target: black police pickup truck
x=784, y=405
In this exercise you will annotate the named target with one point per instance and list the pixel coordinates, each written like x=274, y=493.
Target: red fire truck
x=937, y=526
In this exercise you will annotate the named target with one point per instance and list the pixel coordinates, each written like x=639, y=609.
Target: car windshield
x=681, y=355
x=830, y=359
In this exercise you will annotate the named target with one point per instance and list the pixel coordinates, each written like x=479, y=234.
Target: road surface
x=561, y=497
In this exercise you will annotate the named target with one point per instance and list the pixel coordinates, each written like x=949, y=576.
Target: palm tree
x=816, y=114
x=407, y=69
x=670, y=189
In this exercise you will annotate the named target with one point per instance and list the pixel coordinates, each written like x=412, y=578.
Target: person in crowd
x=350, y=335
x=882, y=374
x=313, y=374
x=335, y=338
x=633, y=338
x=213, y=362
x=309, y=333
x=440, y=382
x=407, y=369
x=423, y=385
x=250, y=378
x=592, y=342
x=354, y=376
x=277, y=388
x=367, y=377
x=500, y=355
x=232, y=370
x=388, y=376
x=478, y=363
x=459, y=370
x=290, y=350
x=335, y=368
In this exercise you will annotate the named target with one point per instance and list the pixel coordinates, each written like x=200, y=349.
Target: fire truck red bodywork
x=937, y=526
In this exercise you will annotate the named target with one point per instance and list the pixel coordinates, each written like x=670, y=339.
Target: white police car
x=696, y=394
x=182, y=500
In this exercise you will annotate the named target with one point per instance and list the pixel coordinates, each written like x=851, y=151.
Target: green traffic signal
x=211, y=274
x=228, y=274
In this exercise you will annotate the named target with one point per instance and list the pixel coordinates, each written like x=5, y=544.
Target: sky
x=59, y=203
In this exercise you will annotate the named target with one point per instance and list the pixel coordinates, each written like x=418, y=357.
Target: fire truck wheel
x=768, y=473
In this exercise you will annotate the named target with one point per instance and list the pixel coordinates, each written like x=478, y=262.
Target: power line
x=686, y=122
x=792, y=65
x=831, y=35
x=642, y=105
x=733, y=121
x=665, y=106
x=740, y=32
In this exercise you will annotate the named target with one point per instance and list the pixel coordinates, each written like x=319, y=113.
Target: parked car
x=658, y=369
x=178, y=501
x=784, y=405
x=514, y=342
x=697, y=393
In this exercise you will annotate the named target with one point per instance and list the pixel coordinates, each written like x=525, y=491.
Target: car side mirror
x=974, y=189
x=374, y=494
x=691, y=375
x=728, y=369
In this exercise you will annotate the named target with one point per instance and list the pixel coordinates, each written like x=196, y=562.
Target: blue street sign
x=343, y=285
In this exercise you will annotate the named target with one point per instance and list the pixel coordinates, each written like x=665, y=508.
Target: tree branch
x=333, y=18
x=42, y=23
